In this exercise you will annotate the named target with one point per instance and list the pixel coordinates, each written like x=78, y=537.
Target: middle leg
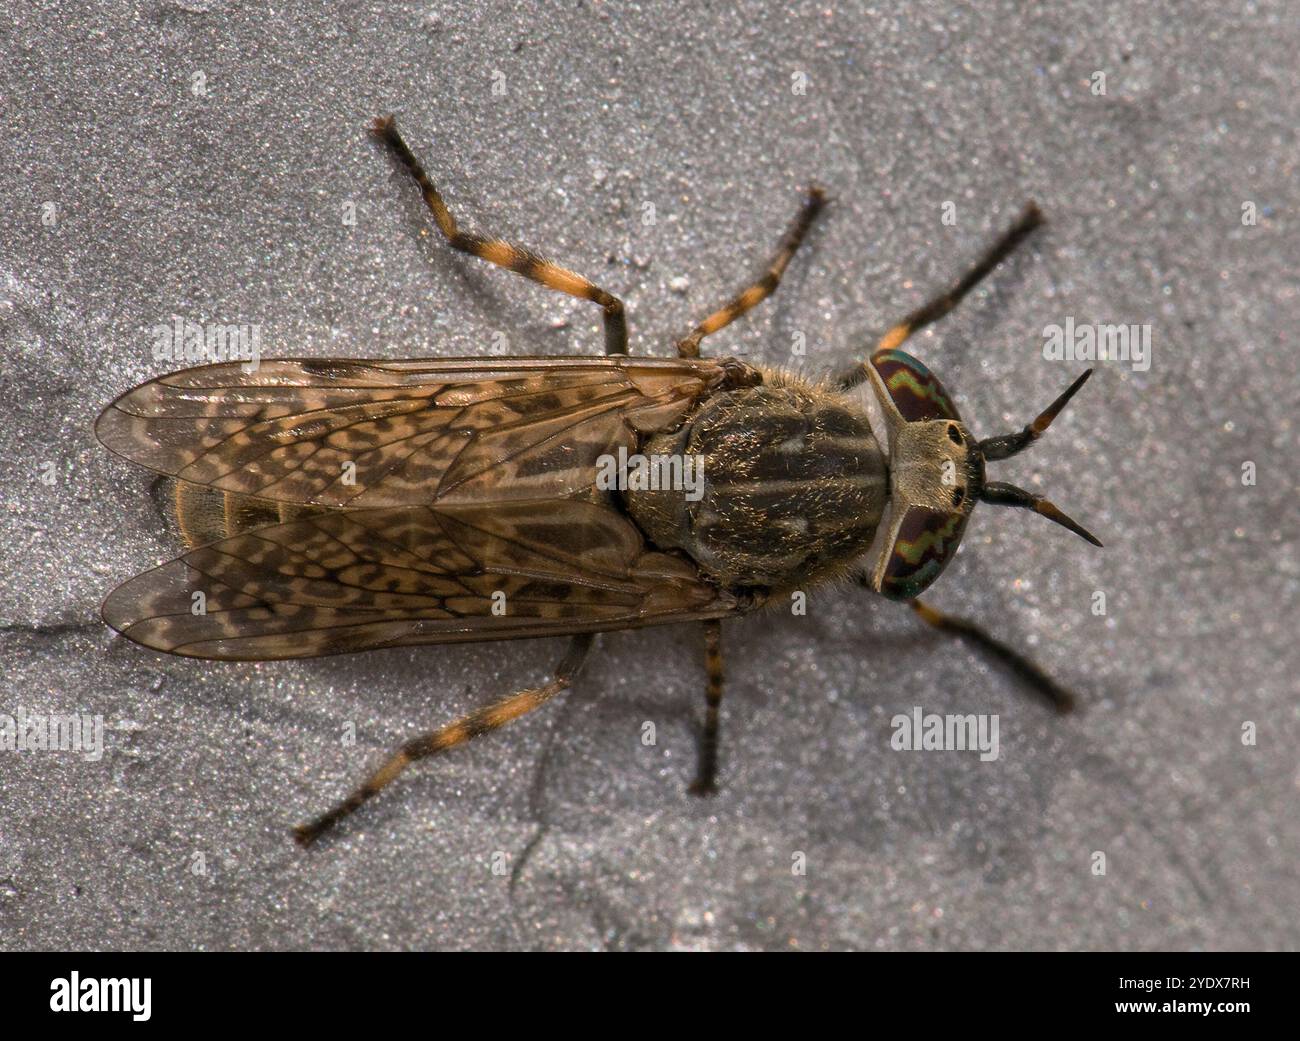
x=707, y=767
x=689, y=347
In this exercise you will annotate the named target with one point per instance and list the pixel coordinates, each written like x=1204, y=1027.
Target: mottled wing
x=352, y=580
x=409, y=433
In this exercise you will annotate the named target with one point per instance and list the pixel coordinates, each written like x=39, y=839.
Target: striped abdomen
x=794, y=485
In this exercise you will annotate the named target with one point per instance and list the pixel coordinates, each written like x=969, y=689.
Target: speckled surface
x=227, y=206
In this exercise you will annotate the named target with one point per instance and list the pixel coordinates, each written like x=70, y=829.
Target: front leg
x=938, y=306
x=1025, y=670
x=1030, y=674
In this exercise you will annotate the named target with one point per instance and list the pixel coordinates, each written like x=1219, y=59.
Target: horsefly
x=333, y=506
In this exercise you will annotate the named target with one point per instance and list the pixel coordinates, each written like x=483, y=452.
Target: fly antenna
x=1007, y=445
x=1001, y=494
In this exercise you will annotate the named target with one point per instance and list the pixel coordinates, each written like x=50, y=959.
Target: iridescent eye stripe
x=926, y=541
x=913, y=388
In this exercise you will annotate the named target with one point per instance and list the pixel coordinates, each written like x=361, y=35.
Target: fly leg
x=766, y=284
x=707, y=766
x=481, y=721
x=940, y=305
x=504, y=254
x=1025, y=670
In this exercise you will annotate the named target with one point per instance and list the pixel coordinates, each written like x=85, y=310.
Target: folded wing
x=351, y=580
x=377, y=434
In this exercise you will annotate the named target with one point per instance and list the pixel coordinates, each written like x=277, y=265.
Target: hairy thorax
x=793, y=486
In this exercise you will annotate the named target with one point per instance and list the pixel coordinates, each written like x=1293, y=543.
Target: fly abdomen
x=793, y=483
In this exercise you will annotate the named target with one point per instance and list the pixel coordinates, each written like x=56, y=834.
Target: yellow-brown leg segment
x=707, y=766
x=1024, y=669
x=940, y=305
x=504, y=254
x=464, y=729
x=765, y=286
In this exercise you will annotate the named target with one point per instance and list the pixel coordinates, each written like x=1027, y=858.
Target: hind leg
x=447, y=737
x=505, y=254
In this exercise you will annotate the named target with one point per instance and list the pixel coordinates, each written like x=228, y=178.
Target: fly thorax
x=790, y=483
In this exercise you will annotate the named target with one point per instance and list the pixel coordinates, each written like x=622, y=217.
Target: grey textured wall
x=227, y=206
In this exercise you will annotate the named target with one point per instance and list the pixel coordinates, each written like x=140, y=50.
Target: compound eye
x=913, y=389
x=924, y=543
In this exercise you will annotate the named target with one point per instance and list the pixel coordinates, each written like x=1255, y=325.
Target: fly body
x=330, y=506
